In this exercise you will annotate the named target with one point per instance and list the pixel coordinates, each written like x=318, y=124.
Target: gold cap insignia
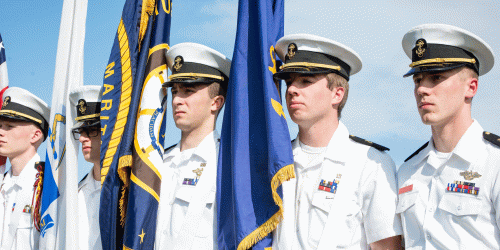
x=292, y=48
x=6, y=101
x=420, y=46
x=178, y=63
x=82, y=106
x=469, y=175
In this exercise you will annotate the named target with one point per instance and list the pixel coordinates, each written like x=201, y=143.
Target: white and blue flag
x=59, y=217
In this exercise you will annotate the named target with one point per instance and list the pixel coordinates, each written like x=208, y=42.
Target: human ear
x=217, y=103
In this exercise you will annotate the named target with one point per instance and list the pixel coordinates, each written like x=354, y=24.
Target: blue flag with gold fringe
x=256, y=154
x=133, y=103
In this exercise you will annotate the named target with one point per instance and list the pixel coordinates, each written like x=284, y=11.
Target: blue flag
x=132, y=98
x=256, y=154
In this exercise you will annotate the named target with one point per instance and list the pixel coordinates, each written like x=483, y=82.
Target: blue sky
x=381, y=106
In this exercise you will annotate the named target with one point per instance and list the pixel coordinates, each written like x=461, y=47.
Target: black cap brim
x=87, y=123
x=424, y=69
x=283, y=75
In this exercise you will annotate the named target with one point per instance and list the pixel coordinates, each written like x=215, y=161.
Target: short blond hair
x=335, y=80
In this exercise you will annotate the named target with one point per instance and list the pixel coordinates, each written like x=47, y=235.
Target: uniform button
x=459, y=207
x=429, y=237
x=430, y=210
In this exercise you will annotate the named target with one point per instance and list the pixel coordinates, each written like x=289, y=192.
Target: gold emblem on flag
x=469, y=175
x=6, y=101
x=178, y=63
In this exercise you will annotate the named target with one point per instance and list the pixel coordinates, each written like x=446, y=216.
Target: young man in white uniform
x=449, y=189
x=186, y=212
x=23, y=128
x=87, y=130
x=344, y=194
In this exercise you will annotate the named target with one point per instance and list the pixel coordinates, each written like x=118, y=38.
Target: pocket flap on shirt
x=188, y=192
x=460, y=204
x=406, y=201
x=323, y=200
x=25, y=221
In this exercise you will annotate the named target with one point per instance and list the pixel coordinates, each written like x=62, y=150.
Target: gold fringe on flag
x=124, y=164
x=148, y=7
x=284, y=174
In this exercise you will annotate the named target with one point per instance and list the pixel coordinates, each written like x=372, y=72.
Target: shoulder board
x=40, y=165
x=418, y=151
x=83, y=179
x=369, y=143
x=495, y=139
x=170, y=147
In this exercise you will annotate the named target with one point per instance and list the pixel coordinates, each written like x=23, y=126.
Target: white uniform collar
x=28, y=173
x=203, y=150
x=472, y=138
x=336, y=149
x=89, y=180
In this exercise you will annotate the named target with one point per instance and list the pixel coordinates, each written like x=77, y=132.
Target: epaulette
x=170, y=147
x=495, y=139
x=418, y=151
x=369, y=143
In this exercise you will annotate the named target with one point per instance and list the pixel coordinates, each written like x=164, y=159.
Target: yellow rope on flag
x=284, y=174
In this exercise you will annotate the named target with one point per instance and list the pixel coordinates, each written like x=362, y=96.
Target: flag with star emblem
x=132, y=122
x=4, y=84
x=256, y=154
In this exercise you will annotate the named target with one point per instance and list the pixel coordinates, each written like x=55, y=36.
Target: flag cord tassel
x=284, y=174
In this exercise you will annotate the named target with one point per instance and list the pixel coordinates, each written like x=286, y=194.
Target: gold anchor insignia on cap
x=292, y=47
x=178, y=63
x=82, y=106
x=6, y=101
x=203, y=164
x=469, y=175
x=421, y=44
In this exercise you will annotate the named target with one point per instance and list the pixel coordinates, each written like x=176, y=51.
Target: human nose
x=292, y=89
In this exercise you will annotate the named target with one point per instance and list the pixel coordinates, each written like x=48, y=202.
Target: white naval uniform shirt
x=89, y=198
x=371, y=204
x=434, y=218
x=26, y=236
x=176, y=198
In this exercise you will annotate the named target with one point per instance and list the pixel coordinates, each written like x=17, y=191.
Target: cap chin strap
x=442, y=60
x=310, y=65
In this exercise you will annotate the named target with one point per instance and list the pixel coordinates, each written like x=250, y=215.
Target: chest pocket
x=184, y=197
x=460, y=204
x=406, y=201
x=25, y=221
